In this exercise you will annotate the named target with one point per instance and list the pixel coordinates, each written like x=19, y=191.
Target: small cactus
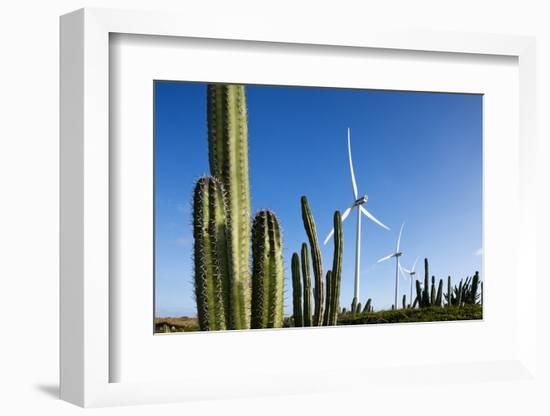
x=267, y=272
x=336, y=274
x=212, y=267
x=307, y=285
x=297, y=291
x=439, y=296
x=449, y=292
x=354, y=305
x=368, y=305
x=404, y=301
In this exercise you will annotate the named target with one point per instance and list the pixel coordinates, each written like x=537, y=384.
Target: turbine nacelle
x=361, y=201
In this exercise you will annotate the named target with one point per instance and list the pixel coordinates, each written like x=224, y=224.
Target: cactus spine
x=311, y=231
x=297, y=291
x=307, y=285
x=212, y=268
x=228, y=157
x=267, y=272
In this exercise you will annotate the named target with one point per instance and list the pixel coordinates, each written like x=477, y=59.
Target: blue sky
x=418, y=156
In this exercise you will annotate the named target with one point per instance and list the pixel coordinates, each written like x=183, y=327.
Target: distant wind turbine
x=358, y=203
x=396, y=254
x=411, y=274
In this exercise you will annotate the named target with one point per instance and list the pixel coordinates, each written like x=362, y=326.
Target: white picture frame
x=87, y=356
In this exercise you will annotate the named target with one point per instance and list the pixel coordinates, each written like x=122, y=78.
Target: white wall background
x=29, y=190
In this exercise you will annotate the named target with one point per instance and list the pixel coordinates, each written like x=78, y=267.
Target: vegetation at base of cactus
x=297, y=291
x=228, y=157
x=430, y=314
x=307, y=285
x=267, y=272
x=212, y=266
x=336, y=273
x=311, y=231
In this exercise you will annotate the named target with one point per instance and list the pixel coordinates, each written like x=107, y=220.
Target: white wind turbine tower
x=396, y=254
x=411, y=274
x=357, y=204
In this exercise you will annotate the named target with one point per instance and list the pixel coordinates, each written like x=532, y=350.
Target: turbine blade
x=399, y=238
x=406, y=270
x=372, y=218
x=354, y=184
x=328, y=237
x=346, y=213
x=403, y=270
x=414, y=265
x=344, y=216
x=386, y=258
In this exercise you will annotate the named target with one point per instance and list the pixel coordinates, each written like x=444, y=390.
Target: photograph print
x=289, y=206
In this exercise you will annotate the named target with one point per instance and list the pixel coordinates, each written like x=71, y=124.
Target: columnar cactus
x=328, y=298
x=426, y=293
x=297, y=291
x=459, y=296
x=358, y=308
x=404, y=301
x=336, y=274
x=311, y=231
x=307, y=285
x=473, y=292
x=228, y=157
x=354, y=305
x=368, y=305
x=432, y=294
x=267, y=272
x=212, y=266
x=439, y=296
x=449, y=292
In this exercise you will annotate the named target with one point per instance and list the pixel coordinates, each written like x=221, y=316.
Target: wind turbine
x=411, y=274
x=395, y=254
x=357, y=204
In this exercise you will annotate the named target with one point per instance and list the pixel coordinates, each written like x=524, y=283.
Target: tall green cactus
x=307, y=285
x=311, y=231
x=212, y=266
x=354, y=305
x=297, y=291
x=449, y=292
x=432, y=292
x=267, y=272
x=228, y=157
x=336, y=274
x=426, y=293
x=439, y=296
x=368, y=305
x=404, y=301
x=328, y=298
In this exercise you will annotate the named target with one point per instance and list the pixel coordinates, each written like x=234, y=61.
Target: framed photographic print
x=260, y=203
